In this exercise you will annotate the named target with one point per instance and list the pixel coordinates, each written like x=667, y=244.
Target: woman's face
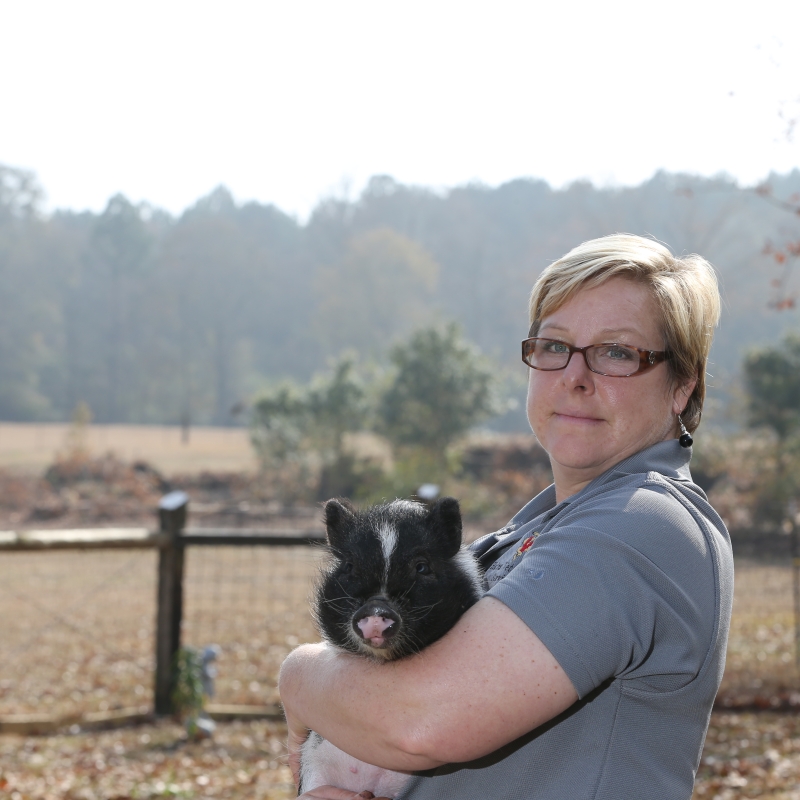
x=589, y=422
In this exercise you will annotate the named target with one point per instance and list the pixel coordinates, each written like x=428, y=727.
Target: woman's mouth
x=576, y=417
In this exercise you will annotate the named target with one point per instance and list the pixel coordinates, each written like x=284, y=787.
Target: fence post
x=172, y=518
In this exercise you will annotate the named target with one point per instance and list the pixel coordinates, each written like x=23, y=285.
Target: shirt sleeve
x=623, y=589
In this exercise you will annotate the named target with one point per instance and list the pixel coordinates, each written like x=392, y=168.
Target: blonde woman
x=589, y=668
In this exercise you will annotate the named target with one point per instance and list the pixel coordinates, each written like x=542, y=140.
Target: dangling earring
x=686, y=437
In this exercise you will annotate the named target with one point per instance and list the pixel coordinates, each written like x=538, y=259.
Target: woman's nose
x=577, y=372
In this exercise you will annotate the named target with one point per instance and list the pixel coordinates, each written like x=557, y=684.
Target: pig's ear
x=445, y=518
x=338, y=516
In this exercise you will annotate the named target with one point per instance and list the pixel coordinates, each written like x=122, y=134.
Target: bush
x=441, y=388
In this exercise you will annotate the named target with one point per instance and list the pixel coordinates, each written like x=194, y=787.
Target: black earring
x=686, y=437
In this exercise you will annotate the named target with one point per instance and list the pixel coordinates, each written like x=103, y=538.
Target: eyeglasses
x=609, y=359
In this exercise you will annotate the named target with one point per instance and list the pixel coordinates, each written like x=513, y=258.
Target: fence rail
x=79, y=539
x=128, y=538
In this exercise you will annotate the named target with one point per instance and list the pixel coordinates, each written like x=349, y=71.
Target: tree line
x=147, y=317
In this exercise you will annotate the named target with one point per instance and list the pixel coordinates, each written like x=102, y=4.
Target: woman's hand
x=298, y=733
x=298, y=730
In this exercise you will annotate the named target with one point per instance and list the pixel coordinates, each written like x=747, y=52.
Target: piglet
x=397, y=579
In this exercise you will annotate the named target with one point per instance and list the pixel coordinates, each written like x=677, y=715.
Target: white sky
x=289, y=101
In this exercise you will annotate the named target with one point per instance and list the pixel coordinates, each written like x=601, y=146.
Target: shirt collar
x=544, y=501
x=667, y=458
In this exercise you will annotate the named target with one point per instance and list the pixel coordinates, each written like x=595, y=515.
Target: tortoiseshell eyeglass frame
x=647, y=358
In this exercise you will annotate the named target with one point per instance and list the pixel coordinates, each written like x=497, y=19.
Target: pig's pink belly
x=328, y=765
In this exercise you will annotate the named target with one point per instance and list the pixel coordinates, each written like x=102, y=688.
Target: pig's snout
x=376, y=623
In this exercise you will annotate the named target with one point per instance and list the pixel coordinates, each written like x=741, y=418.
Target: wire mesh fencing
x=253, y=603
x=77, y=627
x=76, y=631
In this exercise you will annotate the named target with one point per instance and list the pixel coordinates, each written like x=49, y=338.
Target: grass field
x=761, y=649
x=31, y=447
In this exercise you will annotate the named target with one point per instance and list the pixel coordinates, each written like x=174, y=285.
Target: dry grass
x=746, y=756
x=254, y=603
x=750, y=755
x=32, y=447
x=76, y=631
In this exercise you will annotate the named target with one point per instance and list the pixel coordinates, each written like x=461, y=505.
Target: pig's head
x=397, y=579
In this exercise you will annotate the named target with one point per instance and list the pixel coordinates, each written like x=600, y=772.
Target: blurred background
x=270, y=253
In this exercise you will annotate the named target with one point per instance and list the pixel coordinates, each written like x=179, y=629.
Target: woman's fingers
x=297, y=735
x=334, y=793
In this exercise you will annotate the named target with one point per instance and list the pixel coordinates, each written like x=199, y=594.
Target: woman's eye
x=619, y=353
x=555, y=347
x=423, y=568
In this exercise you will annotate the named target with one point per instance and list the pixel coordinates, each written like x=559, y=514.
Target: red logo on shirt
x=525, y=546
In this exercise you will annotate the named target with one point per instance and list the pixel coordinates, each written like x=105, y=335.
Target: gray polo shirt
x=629, y=584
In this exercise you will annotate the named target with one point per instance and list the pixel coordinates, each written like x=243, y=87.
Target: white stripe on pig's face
x=387, y=533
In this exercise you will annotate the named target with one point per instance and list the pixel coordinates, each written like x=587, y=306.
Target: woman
x=589, y=668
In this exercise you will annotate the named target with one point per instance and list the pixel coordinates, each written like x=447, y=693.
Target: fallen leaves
x=244, y=760
x=750, y=755
x=745, y=756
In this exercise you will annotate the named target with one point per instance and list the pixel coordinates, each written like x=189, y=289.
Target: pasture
x=32, y=447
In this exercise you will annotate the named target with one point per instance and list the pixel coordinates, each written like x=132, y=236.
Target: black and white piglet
x=398, y=579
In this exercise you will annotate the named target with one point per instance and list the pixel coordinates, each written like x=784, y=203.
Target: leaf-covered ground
x=746, y=756
x=751, y=755
x=244, y=760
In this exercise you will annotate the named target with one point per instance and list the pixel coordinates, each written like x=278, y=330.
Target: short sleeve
x=623, y=589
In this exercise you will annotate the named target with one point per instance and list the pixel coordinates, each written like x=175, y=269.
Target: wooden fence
x=170, y=540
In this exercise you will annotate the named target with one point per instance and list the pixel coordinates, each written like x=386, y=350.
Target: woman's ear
x=681, y=395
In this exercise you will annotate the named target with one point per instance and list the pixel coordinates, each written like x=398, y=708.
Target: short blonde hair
x=685, y=290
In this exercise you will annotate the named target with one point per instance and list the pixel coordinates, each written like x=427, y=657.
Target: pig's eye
x=347, y=568
x=423, y=568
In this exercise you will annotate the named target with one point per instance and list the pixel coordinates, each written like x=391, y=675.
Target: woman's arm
x=485, y=683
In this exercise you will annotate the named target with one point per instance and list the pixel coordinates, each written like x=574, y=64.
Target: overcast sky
x=287, y=102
